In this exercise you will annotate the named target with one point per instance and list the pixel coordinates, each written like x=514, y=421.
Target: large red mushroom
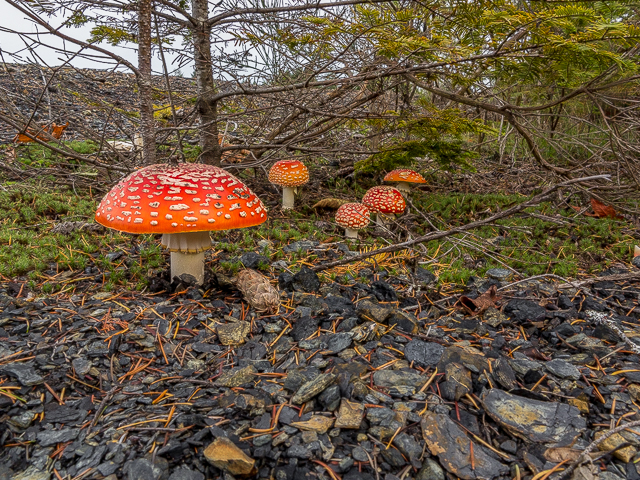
x=183, y=203
x=384, y=201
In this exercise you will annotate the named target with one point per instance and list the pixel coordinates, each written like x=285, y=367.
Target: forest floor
x=503, y=352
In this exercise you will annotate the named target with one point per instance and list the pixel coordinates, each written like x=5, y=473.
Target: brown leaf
x=334, y=203
x=600, y=210
x=476, y=306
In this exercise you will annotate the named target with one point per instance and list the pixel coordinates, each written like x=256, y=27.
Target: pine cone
x=257, y=290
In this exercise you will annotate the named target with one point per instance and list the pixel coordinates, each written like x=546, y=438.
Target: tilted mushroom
x=384, y=201
x=183, y=203
x=403, y=178
x=289, y=174
x=353, y=217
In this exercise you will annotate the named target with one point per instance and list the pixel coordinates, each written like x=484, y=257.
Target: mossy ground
x=569, y=246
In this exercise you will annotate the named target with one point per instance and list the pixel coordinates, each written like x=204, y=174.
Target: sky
x=12, y=19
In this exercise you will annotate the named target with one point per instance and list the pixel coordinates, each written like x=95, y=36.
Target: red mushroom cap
x=404, y=175
x=289, y=173
x=185, y=198
x=384, y=199
x=353, y=215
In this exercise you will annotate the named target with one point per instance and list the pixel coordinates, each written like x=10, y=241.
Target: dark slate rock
x=563, y=369
x=423, y=354
x=451, y=445
x=534, y=420
x=383, y=291
x=524, y=311
x=285, y=281
x=301, y=246
x=338, y=342
x=253, y=260
x=64, y=414
x=24, y=373
x=430, y=470
x=185, y=473
x=304, y=327
x=424, y=276
x=636, y=261
x=145, y=469
x=306, y=281
x=330, y=398
x=48, y=438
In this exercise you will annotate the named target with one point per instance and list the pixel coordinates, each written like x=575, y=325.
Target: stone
x=408, y=446
x=624, y=454
x=330, y=398
x=450, y=444
x=394, y=378
x=403, y=321
x=237, y=376
x=31, y=473
x=493, y=317
x=185, y=473
x=430, y=471
x=457, y=382
x=145, y=469
x=317, y=423
x=524, y=311
x=383, y=291
x=300, y=246
x=24, y=373
x=233, y=333
x=338, y=342
x=349, y=415
x=306, y=280
x=563, y=369
x=253, y=260
x=225, y=455
x=580, y=404
x=81, y=366
x=48, y=438
x=367, y=310
x=471, y=358
x=534, y=420
x=304, y=327
x=312, y=388
x=500, y=274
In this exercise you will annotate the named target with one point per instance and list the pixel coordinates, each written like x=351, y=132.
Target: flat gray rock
x=533, y=420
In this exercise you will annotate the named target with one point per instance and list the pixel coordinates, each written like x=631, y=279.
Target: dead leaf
x=334, y=203
x=477, y=306
x=600, y=210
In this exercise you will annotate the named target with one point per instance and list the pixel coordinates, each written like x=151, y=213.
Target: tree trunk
x=206, y=88
x=147, y=127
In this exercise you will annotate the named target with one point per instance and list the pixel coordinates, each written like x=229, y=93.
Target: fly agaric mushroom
x=403, y=178
x=289, y=174
x=384, y=201
x=183, y=203
x=353, y=217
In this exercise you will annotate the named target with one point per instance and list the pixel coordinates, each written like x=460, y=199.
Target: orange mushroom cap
x=404, y=175
x=189, y=197
x=384, y=199
x=289, y=173
x=353, y=215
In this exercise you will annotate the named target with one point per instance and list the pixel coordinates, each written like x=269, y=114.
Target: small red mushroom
x=289, y=174
x=183, y=203
x=353, y=217
x=403, y=178
x=384, y=201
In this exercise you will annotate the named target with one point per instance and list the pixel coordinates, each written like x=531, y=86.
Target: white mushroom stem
x=351, y=233
x=404, y=187
x=187, y=253
x=382, y=219
x=288, y=197
x=191, y=263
